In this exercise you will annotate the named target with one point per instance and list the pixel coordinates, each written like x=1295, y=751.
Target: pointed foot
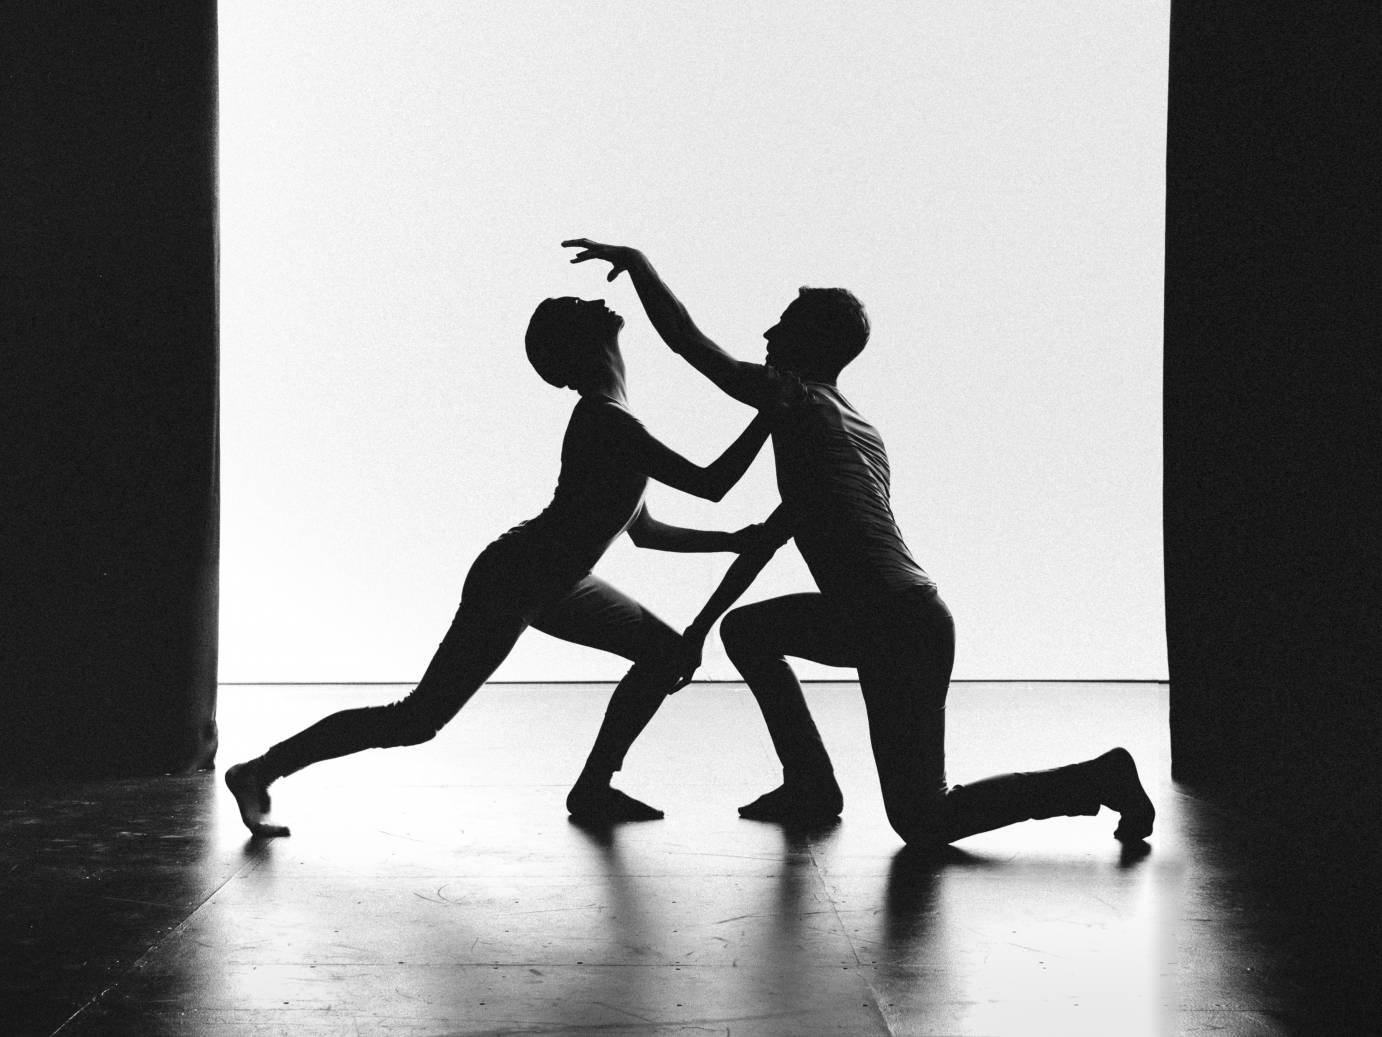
x=1121, y=790
x=606, y=805
x=252, y=797
x=796, y=804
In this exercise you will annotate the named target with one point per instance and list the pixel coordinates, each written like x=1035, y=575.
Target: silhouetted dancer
x=877, y=610
x=538, y=574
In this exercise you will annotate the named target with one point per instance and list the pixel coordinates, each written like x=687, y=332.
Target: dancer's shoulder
x=606, y=419
x=782, y=391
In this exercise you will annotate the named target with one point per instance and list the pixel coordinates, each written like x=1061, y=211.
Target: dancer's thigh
x=480, y=638
x=805, y=626
x=599, y=615
x=904, y=680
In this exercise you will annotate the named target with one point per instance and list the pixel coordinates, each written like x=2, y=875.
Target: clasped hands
x=685, y=659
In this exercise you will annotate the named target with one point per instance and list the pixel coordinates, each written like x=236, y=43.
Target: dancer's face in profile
x=597, y=326
x=593, y=317
x=790, y=340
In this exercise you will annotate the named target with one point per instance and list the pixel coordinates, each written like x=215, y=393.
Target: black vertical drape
x=108, y=387
x=1273, y=402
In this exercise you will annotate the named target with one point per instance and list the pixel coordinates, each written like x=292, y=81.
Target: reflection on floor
x=441, y=890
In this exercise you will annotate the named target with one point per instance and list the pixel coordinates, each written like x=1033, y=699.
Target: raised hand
x=619, y=257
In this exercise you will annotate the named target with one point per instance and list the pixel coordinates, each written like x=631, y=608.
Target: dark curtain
x=108, y=387
x=1273, y=404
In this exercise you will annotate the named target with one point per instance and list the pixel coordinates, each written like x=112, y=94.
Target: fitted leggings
x=497, y=604
x=903, y=646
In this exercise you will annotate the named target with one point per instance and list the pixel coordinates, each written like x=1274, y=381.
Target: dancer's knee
x=922, y=831
x=657, y=659
x=740, y=634
x=660, y=645
x=653, y=676
x=925, y=839
x=921, y=819
x=404, y=724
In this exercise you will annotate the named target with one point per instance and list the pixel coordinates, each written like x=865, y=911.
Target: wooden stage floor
x=442, y=890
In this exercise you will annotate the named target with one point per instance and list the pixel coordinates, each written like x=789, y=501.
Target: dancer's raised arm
x=745, y=382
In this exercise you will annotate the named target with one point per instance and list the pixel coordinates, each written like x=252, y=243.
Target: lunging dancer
x=538, y=574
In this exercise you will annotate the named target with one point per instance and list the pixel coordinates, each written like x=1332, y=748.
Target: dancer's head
x=818, y=334
x=573, y=342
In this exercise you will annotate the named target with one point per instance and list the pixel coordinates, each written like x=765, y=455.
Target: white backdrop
x=396, y=178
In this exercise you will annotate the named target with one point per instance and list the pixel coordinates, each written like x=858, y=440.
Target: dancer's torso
x=834, y=478
x=599, y=491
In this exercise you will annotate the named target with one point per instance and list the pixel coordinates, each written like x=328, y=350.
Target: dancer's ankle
x=593, y=779
x=814, y=781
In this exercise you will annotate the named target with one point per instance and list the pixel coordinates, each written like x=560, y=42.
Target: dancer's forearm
x=765, y=539
x=669, y=318
x=745, y=382
x=659, y=536
x=673, y=323
x=725, y=471
x=716, y=479
x=737, y=579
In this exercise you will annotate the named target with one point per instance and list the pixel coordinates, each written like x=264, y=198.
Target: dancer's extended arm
x=745, y=382
x=646, y=531
x=712, y=482
x=774, y=532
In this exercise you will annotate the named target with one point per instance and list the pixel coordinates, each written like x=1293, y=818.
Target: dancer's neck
x=611, y=388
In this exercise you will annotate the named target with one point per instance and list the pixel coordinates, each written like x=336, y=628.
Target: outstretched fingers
x=614, y=255
x=589, y=249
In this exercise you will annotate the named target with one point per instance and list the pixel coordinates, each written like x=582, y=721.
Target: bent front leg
x=599, y=615
x=758, y=638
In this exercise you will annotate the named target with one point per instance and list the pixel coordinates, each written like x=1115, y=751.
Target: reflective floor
x=441, y=890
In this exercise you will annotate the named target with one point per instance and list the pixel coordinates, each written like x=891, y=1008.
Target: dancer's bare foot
x=1121, y=789
x=594, y=803
x=797, y=804
x=252, y=797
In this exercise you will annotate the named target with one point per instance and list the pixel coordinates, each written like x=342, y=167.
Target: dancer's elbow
x=650, y=539
x=708, y=484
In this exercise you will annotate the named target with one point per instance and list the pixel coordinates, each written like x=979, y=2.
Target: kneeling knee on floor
x=921, y=826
